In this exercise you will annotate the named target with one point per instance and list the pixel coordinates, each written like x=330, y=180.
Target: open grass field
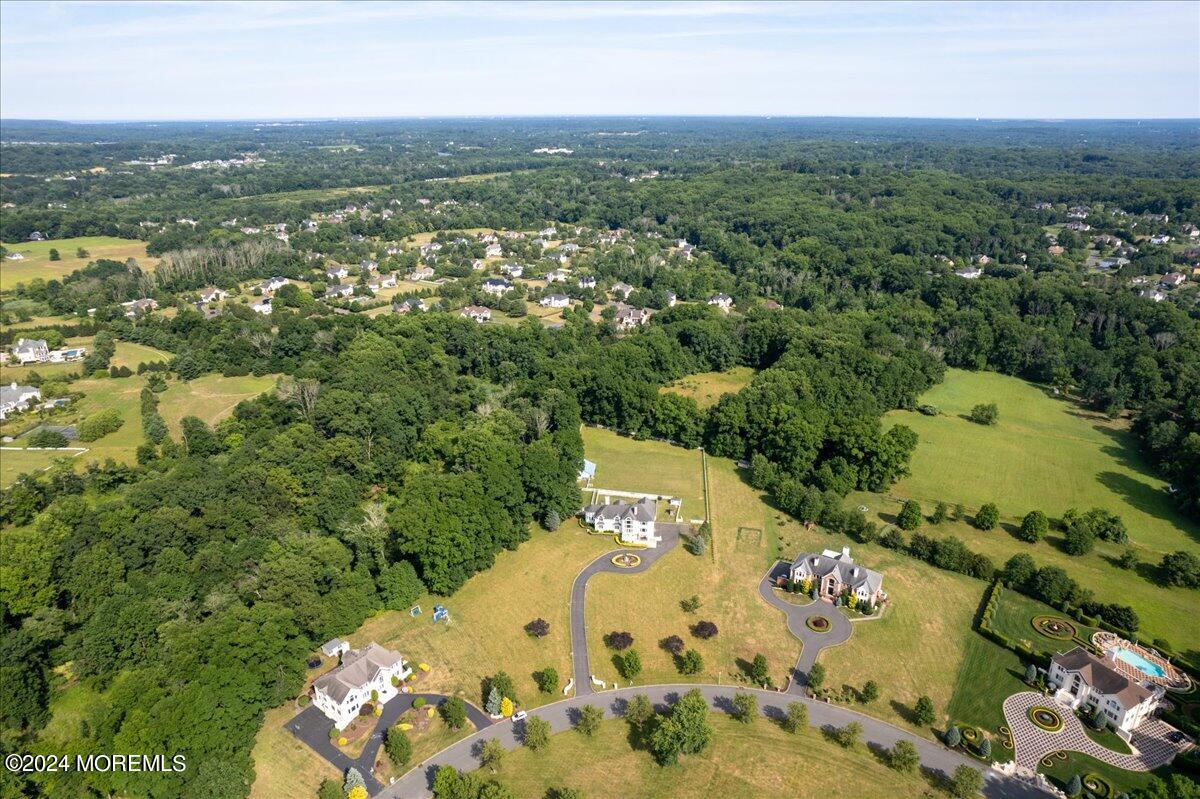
x=1160, y=608
x=743, y=762
x=37, y=261
x=488, y=615
x=211, y=397
x=303, y=195
x=14, y=463
x=282, y=765
x=652, y=467
x=725, y=579
x=708, y=387
x=1045, y=453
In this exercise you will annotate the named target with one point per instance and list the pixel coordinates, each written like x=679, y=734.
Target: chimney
x=846, y=552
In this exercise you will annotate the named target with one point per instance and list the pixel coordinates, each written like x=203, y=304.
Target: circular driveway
x=812, y=642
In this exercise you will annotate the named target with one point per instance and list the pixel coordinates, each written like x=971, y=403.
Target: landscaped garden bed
x=1098, y=787
x=1054, y=627
x=818, y=624
x=1046, y=719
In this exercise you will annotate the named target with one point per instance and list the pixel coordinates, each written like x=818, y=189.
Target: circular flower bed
x=818, y=624
x=1098, y=787
x=1002, y=729
x=970, y=734
x=1046, y=719
x=1048, y=762
x=626, y=560
x=1054, y=627
x=1061, y=755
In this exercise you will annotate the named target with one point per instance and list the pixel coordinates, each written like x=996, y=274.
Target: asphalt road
x=812, y=642
x=581, y=667
x=312, y=727
x=463, y=755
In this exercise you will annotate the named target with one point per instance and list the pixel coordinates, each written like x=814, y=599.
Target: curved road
x=463, y=755
x=812, y=642
x=581, y=666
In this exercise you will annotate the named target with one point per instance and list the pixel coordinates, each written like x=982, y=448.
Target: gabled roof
x=1102, y=677
x=359, y=668
x=643, y=510
x=841, y=566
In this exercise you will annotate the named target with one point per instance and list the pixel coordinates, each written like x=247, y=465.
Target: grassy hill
x=1046, y=453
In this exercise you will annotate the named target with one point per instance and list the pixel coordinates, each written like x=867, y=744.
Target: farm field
x=623, y=464
x=211, y=397
x=708, y=387
x=743, y=762
x=1044, y=454
x=37, y=261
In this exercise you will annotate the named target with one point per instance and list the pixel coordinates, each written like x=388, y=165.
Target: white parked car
x=519, y=715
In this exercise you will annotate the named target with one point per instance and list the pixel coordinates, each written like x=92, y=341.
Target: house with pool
x=1083, y=681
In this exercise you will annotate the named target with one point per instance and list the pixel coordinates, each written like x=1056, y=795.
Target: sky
x=272, y=60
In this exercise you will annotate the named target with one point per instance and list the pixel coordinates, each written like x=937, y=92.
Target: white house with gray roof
x=15, y=398
x=633, y=523
x=835, y=573
x=31, y=350
x=341, y=693
x=1084, y=681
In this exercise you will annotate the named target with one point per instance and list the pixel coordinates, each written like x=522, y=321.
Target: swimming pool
x=1140, y=663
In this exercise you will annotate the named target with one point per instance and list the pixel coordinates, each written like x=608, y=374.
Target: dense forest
x=402, y=453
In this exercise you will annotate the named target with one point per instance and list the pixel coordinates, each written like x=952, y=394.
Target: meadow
x=37, y=261
x=744, y=761
x=1045, y=453
x=708, y=387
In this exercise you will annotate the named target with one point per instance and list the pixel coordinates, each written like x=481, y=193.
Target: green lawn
x=987, y=675
x=1044, y=454
x=127, y=354
x=211, y=397
x=743, y=762
x=651, y=467
x=1079, y=763
x=1160, y=608
x=1013, y=616
x=37, y=261
x=708, y=387
x=15, y=463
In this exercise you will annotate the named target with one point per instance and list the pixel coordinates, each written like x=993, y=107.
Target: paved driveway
x=1031, y=743
x=811, y=642
x=581, y=667
x=464, y=755
x=312, y=727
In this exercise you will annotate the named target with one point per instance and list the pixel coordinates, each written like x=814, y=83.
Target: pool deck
x=1171, y=678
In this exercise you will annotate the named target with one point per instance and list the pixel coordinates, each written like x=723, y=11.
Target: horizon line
x=620, y=116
